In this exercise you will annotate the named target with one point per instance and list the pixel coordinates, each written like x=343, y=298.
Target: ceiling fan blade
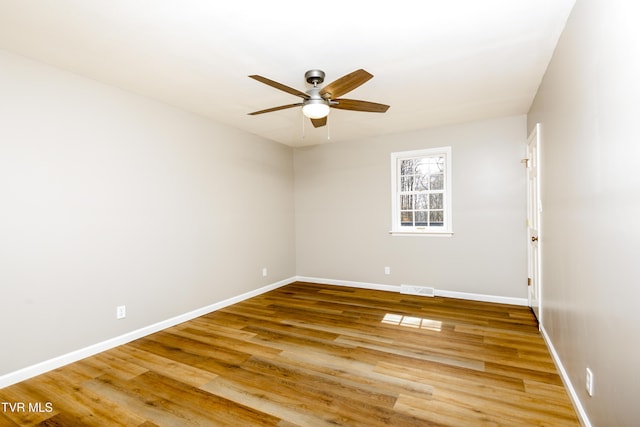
x=345, y=84
x=319, y=122
x=280, y=86
x=356, y=105
x=282, y=107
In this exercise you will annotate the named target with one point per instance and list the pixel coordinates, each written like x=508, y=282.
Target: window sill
x=422, y=233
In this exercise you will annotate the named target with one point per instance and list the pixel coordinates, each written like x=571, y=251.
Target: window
x=421, y=191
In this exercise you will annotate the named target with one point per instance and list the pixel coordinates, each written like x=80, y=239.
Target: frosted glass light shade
x=316, y=109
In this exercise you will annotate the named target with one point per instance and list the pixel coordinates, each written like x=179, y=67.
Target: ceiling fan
x=317, y=101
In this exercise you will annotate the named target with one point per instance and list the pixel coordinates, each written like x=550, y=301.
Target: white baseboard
x=582, y=414
x=396, y=288
x=363, y=285
x=482, y=297
x=57, y=362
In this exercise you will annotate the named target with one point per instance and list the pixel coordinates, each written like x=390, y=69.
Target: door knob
x=534, y=238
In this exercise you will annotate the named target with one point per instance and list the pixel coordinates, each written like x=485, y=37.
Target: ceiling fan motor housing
x=314, y=77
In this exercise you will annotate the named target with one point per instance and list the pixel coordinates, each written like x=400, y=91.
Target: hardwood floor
x=313, y=355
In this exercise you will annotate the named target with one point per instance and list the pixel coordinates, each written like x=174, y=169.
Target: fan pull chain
x=302, y=116
x=328, y=130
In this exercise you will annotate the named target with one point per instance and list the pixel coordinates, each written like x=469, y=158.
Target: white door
x=533, y=220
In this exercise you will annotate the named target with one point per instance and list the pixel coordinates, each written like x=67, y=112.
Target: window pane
x=422, y=218
x=431, y=165
x=421, y=182
x=435, y=201
x=437, y=181
x=422, y=201
x=406, y=183
x=438, y=165
x=408, y=167
x=406, y=218
x=436, y=218
x=406, y=202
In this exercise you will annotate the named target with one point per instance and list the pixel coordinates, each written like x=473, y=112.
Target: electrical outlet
x=387, y=270
x=121, y=312
x=264, y=272
x=589, y=382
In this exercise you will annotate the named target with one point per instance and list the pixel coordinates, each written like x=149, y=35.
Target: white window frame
x=397, y=228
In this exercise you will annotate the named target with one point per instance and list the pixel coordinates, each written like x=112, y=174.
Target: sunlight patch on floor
x=412, y=322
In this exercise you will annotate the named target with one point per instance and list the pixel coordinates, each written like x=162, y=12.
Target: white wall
x=588, y=107
x=343, y=212
x=108, y=198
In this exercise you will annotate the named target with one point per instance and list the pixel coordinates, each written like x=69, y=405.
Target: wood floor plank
x=141, y=401
x=82, y=405
x=459, y=359
x=108, y=361
x=353, y=371
x=344, y=405
x=308, y=354
x=5, y=421
x=287, y=409
x=239, y=345
x=479, y=382
x=199, y=406
x=548, y=391
x=179, y=371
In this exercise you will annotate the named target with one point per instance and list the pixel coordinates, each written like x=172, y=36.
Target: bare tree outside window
x=421, y=190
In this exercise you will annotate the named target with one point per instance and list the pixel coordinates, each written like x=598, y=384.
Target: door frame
x=534, y=223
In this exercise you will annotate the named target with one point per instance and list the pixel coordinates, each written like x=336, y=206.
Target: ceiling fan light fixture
x=316, y=108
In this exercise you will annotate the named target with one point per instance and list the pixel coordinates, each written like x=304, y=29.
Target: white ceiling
x=435, y=62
